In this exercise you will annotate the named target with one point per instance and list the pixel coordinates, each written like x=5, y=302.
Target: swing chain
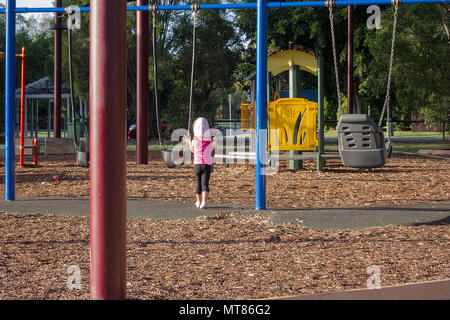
x=195, y=7
x=153, y=8
x=330, y=4
x=391, y=63
x=70, y=10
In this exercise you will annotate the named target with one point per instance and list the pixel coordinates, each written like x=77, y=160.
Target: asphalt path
x=316, y=218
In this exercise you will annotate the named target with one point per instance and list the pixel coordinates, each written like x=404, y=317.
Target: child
x=202, y=147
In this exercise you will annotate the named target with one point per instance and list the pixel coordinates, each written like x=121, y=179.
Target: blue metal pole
x=9, y=99
x=261, y=105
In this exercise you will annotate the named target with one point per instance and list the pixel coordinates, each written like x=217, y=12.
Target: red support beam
x=57, y=73
x=108, y=50
x=22, y=108
x=350, y=60
x=142, y=84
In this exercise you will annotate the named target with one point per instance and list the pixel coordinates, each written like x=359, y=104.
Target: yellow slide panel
x=293, y=124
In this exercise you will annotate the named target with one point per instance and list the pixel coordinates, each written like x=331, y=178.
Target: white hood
x=201, y=128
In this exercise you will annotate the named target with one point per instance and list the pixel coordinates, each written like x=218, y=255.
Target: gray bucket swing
x=361, y=141
x=172, y=158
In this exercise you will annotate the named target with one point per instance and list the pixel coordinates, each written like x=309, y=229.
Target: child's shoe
x=203, y=205
x=197, y=204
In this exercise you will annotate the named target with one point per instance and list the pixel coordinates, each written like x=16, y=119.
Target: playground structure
x=35, y=114
x=108, y=192
x=292, y=120
x=34, y=146
x=38, y=110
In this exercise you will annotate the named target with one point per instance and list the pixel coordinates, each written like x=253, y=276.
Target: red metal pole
x=350, y=60
x=142, y=84
x=22, y=108
x=108, y=49
x=57, y=74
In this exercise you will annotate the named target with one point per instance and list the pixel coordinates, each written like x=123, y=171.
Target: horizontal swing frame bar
x=248, y=5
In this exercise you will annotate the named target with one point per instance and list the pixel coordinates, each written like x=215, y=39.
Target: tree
x=80, y=52
x=218, y=51
x=437, y=112
x=421, y=63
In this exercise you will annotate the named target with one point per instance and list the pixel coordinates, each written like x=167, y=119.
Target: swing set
x=108, y=128
x=293, y=121
x=361, y=141
x=170, y=157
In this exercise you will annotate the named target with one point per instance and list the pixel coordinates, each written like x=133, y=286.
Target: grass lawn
x=132, y=146
x=405, y=147
x=417, y=147
x=396, y=147
x=399, y=134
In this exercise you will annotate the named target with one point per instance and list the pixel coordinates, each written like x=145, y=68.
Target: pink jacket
x=202, y=151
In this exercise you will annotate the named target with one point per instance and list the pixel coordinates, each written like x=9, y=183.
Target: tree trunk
x=358, y=102
x=151, y=114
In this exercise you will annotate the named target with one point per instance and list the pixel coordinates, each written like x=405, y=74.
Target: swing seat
x=361, y=142
x=170, y=163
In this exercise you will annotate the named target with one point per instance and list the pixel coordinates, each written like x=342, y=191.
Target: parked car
x=132, y=131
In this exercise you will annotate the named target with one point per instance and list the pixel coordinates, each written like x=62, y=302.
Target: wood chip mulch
x=220, y=257
x=229, y=256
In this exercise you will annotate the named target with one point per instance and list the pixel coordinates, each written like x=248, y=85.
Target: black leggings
x=202, y=175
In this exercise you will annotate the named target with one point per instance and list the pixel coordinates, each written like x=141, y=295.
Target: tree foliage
x=217, y=53
x=226, y=56
x=421, y=64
